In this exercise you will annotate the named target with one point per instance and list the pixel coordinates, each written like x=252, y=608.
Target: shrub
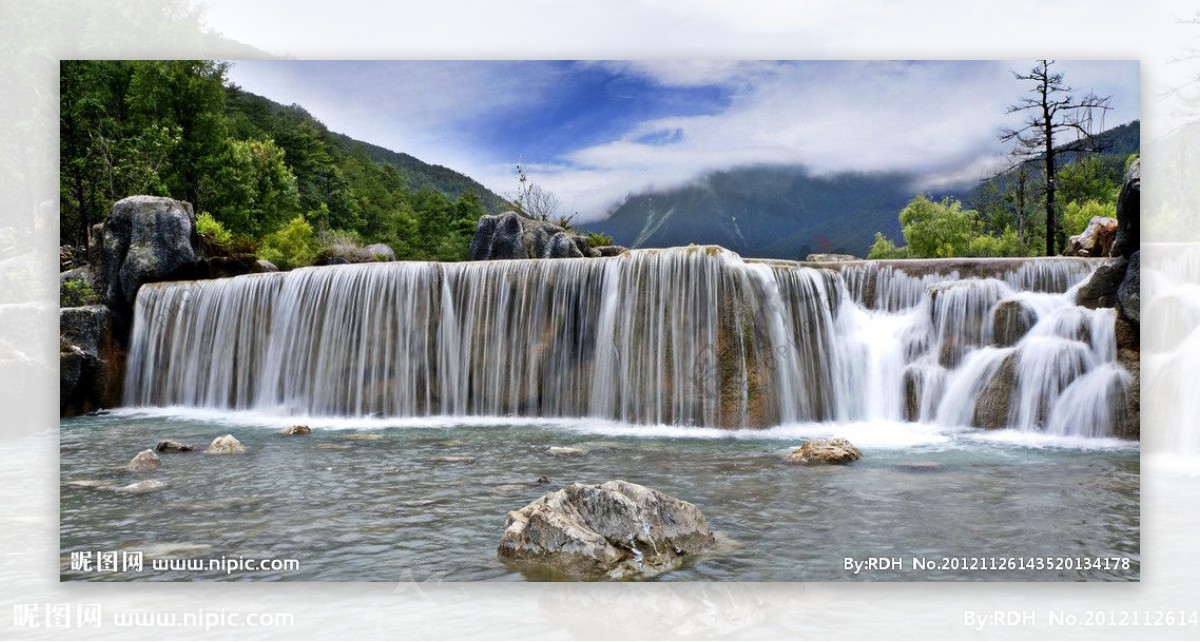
x=884, y=248
x=598, y=239
x=291, y=246
x=213, y=233
x=75, y=293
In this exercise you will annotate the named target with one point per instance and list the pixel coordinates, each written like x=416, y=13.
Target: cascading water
x=687, y=336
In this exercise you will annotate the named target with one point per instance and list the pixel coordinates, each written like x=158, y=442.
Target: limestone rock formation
x=1100, y=290
x=615, y=530
x=1095, y=240
x=226, y=445
x=611, y=250
x=512, y=236
x=90, y=360
x=825, y=451
x=1129, y=293
x=1129, y=205
x=147, y=238
x=144, y=461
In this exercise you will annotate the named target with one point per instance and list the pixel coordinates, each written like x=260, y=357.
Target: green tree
x=937, y=229
x=254, y=191
x=186, y=98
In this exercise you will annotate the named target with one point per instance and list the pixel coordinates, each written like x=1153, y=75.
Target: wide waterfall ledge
x=688, y=337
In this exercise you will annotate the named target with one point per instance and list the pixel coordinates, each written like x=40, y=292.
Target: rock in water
x=994, y=402
x=144, y=461
x=172, y=446
x=227, y=445
x=615, y=530
x=1100, y=290
x=825, y=451
x=566, y=451
x=144, y=486
x=297, y=430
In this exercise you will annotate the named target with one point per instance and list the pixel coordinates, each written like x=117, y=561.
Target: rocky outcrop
x=223, y=267
x=380, y=252
x=144, y=461
x=226, y=445
x=825, y=451
x=1095, y=240
x=512, y=236
x=1010, y=321
x=1129, y=294
x=611, y=250
x=994, y=402
x=615, y=530
x=297, y=430
x=1100, y=290
x=147, y=238
x=346, y=253
x=1129, y=213
x=91, y=361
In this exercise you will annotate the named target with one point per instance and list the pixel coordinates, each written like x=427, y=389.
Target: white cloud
x=938, y=119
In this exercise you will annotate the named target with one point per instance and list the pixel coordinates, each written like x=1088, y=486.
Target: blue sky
x=593, y=132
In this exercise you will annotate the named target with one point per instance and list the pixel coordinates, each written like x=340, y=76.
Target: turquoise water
x=394, y=509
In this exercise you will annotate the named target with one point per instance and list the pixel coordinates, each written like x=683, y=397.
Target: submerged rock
x=615, y=530
x=297, y=430
x=825, y=451
x=138, y=488
x=227, y=445
x=363, y=437
x=565, y=451
x=171, y=446
x=451, y=459
x=144, y=461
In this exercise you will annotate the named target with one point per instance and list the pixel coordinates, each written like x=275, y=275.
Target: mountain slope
x=417, y=174
x=766, y=211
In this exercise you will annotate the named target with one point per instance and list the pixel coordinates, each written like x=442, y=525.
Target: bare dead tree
x=1052, y=111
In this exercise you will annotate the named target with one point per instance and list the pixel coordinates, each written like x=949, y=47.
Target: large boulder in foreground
x=147, y=238
x=512, y=236
x=615, y=530
x=825, y=451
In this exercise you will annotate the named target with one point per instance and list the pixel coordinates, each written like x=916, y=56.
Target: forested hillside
x=267, y=175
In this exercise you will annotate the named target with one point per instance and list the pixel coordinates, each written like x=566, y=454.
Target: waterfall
x=687, y=336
